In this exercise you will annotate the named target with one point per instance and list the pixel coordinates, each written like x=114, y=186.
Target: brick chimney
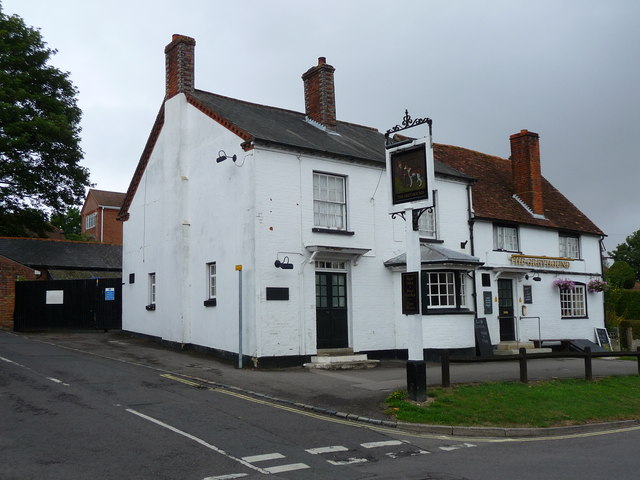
x=525, y=168
x=179, y=61
x=319, y=94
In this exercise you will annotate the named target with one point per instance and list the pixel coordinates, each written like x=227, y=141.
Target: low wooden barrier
x=523, y=357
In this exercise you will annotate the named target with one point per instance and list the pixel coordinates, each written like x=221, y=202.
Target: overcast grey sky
x=482, y=70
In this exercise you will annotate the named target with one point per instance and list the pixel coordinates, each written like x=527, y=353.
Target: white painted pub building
x=299, y=202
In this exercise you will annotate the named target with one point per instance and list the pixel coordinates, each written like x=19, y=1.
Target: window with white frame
x=329, y=201
x=152, y=290
x=505, y=237
x=90, y=221
x=573, y=302
x=427, y=223
x=211, y=280
x=569, y=246
x=444, y=290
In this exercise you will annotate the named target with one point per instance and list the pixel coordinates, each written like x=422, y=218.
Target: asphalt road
x=67, y=415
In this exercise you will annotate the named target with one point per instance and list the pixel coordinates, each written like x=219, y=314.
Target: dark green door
x=505, y=312
x=331, y=310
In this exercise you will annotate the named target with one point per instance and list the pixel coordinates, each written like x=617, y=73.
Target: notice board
x=484, y=348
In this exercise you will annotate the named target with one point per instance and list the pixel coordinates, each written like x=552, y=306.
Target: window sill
x=212, y=302
x=574, y=318
x=447, y=311
x=430, y=240
x=151, y=307
x=507, y=251
x=329, y=230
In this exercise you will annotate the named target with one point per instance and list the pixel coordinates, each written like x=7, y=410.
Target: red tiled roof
x=106, y=198
x=493, y=192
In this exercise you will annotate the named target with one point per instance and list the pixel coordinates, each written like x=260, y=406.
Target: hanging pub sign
x=410, y=175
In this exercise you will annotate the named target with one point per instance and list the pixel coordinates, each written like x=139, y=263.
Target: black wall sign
x=277, y=293
x=528, y=296
x=487, y=298
x=483, y=340
x=410, y=293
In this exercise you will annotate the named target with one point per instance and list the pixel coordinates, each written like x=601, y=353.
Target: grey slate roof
x=287, y=128
x=59, y=254
x=434, y=254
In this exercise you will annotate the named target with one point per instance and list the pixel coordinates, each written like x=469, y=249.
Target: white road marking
x=287, y=468
x=55, y=380
x=263, y=458
x=415, y=453
x=10, y=361
x=349, y=461
x=226, y=477
x=457, y=447
x=321, y=450
x=197, y=440
x=388, y=443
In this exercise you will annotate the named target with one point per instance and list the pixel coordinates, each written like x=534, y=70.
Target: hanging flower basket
x=597, y=285
x=564, y=284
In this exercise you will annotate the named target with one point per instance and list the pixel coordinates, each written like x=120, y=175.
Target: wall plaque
x=410, y=293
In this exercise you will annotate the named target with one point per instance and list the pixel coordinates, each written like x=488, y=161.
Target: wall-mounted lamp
x=535, y=278
x=463, y=245
x=222, y=156
x=284, y=264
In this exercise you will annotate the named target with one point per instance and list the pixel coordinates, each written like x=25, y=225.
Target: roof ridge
x=471, y=150
x=59, y=240
x=280, y=109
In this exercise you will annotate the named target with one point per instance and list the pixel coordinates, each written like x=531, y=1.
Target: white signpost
x=410, y=174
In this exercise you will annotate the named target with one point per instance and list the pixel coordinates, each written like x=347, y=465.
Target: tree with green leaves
x=40, y=152
x=629, y=252
x=70, y=222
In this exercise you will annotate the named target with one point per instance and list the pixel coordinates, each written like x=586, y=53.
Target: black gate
x=69, y=304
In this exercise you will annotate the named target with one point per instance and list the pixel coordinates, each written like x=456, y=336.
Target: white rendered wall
x=541, y=242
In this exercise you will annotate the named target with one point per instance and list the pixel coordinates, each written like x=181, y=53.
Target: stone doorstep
x=515, y=351
x=341, y=362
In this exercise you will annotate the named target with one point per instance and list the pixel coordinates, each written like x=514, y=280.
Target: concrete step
x=341, y=362
x=514, y=345
x=515, y=351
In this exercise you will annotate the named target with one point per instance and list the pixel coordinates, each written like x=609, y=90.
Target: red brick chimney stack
x=525, y=168
x=179, y=60
x=319, y=94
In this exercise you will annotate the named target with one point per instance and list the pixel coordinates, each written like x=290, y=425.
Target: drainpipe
x=101, y=224
x=473, y=249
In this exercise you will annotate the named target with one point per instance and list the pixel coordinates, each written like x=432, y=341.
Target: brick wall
x=527, y=177
x=10, y=271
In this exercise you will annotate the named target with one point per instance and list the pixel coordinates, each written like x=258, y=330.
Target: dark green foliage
x=39, y=128
x=27, y=222
x=627, y=304
x=629, y=252
x=621, y=275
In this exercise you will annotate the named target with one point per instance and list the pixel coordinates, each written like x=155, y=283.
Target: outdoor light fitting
x=284, y=264
x=222, y=156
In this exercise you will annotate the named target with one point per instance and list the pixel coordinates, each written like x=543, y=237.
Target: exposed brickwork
x=319, y=94
x=107, y=229
x=10, y=271
x=527, y=176
x=179, y=64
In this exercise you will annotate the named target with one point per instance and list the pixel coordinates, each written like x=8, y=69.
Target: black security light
x=284, y=264
x=536, y=277
x=222, y=156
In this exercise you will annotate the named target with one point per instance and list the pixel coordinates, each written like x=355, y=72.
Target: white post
x=416, y=367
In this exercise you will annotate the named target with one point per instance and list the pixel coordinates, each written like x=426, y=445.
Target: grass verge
x=540, y=404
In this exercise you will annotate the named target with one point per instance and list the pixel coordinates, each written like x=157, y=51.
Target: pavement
x=352, y=394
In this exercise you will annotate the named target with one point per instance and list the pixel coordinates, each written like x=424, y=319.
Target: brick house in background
x=99, y=216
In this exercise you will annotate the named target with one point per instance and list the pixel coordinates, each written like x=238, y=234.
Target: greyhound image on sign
x=411, y=175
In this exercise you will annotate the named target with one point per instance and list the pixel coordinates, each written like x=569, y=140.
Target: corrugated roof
x=493, y=193
x=59, y=254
